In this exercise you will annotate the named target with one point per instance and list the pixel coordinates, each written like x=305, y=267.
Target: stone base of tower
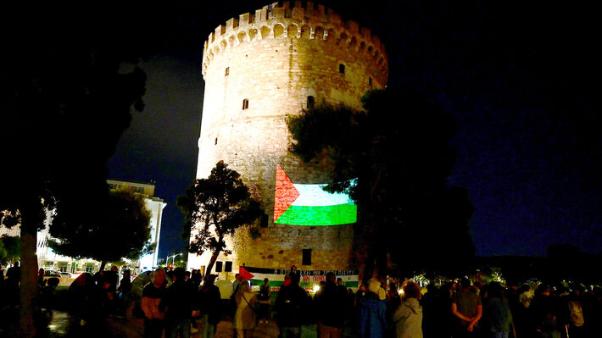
x=313, y=251
x=281, y=246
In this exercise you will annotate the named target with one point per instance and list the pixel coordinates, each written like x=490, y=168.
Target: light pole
x=173, y=262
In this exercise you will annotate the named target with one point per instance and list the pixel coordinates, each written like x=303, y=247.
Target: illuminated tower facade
x=258, y=69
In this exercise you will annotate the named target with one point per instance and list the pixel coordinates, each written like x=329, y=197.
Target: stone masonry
x=260, y=68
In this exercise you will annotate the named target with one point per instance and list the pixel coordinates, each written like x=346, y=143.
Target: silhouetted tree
x=122, y=231
x=10, y=248
x=70, y=81
x=216, y=207
x=397, y=150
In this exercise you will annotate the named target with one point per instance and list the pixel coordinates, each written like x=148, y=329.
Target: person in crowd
x=152, y=297
x=14, y=272
x=195, y=278
x=112, y=277
x=44, y=304
x=236, y=283
x=107, y=283
x=210, y=306
x=574, y=316
x=330, y=308
x=393, y=302
x=544, y=313
x=436, y=305
x=245, y=317
x=263, y=299
x=408, y=315
x=41, y=281
x=292, y=305
x=178, y=304
x=467, y=310
x=86, y=300
x=125, y=293
x=520, y=302
x=11, y=285
x=497, y=316
x=372, y=310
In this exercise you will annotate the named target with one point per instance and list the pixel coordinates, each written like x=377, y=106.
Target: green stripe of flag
x=319, y=215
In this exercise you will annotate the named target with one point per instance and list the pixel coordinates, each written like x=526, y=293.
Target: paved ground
x=113, y=327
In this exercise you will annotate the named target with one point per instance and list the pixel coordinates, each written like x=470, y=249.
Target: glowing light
x=316, y=288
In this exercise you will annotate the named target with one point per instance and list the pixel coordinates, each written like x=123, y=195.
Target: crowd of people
x=176, y=303
x=404, y=310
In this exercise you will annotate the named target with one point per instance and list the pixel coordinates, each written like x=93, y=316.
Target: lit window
x=341, y=69
x=245, y=104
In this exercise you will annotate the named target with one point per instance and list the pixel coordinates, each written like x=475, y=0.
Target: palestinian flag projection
x=309, y=204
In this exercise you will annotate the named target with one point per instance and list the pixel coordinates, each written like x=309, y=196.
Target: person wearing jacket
x=151, y=304
x=408, y=316
x=497, y=315
x=372, y=310
x=329, y=305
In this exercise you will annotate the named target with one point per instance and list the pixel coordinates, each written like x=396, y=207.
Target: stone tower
x=259, y=68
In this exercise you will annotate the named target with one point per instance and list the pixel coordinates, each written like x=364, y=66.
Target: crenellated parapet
x=287, y=20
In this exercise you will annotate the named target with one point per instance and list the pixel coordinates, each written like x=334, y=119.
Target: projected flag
x=309, y=204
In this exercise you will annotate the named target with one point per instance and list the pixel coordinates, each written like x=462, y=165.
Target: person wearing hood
x=372, y=310
x=408, y=316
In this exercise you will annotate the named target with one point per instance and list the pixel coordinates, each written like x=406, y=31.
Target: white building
x=48, y=259
x=156, y=206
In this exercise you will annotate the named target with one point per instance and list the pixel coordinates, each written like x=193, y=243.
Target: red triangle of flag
x=244, y=274
x=285, y=195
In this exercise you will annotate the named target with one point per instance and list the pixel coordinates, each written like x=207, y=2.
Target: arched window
x=341, y=69
x=245, y=104
x=311, y=102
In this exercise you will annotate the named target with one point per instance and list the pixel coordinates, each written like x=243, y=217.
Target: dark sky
x=521, y=81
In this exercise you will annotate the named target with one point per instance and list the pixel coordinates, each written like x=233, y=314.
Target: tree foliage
x=71, y=82
x=397, y=150
x=10, y=248
x=216, y=207
x=122, y=231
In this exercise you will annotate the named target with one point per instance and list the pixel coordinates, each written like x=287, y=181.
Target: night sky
x=521, y=81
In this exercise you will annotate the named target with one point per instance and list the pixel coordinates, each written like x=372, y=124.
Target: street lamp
x=173, y=262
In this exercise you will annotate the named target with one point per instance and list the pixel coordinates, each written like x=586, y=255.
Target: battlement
x=286, y=20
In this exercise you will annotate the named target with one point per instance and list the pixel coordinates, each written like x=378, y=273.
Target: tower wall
x=275, y=59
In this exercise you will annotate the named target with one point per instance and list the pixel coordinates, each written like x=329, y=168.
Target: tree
x=71, y=84
x=3, y=253
x=10, y=248
x=122, y=231
x=216, y=207
x=396, y=151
